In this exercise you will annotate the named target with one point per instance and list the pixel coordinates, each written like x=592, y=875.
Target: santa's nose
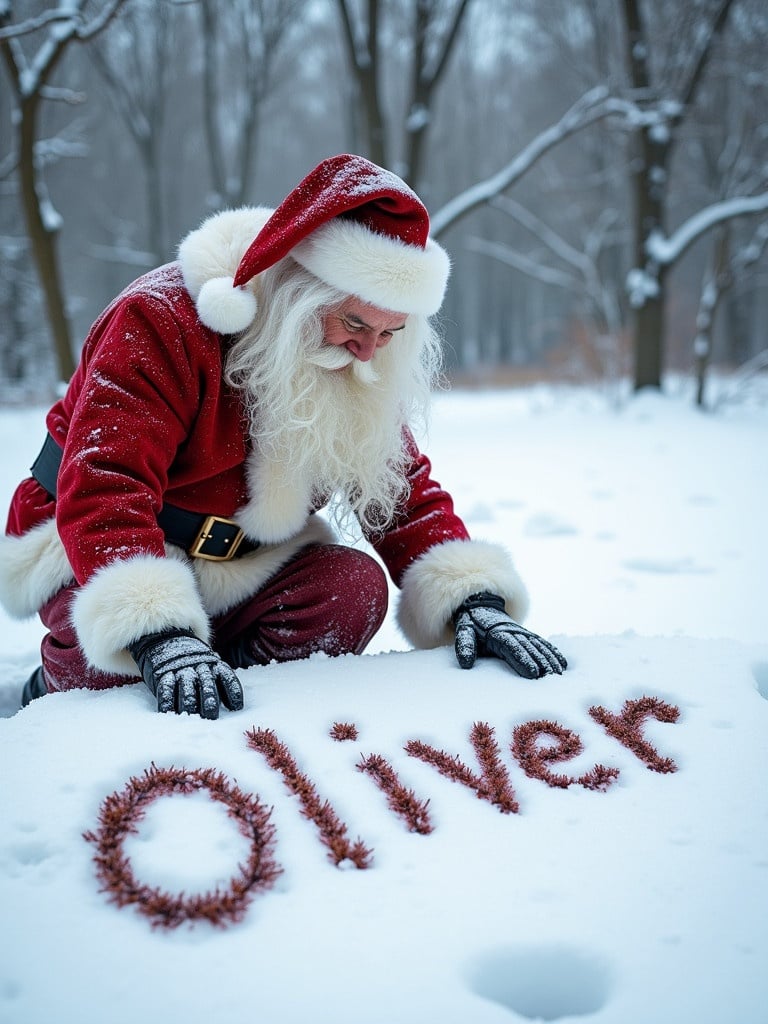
x=363, y=346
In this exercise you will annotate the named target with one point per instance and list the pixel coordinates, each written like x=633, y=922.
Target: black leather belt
x=202, y=536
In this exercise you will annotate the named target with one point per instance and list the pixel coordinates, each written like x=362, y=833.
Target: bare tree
x=720, y=275
x=433, y=33
x=593, y=106
x=17, y=309
x=362, y=44
x=670, y=83
x=730, y=153
x=577, y=270
x=242, y=42
x=725, y=269
x=134, y=59
x=453, y=88
x=30, y=77
x=434, y=37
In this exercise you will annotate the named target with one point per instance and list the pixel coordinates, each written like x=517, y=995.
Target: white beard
x=343, y=432
x=331, y=423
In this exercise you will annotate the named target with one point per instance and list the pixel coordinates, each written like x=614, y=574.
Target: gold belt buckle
x=206, y=533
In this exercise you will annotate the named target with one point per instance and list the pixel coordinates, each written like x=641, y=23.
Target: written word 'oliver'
x=121, y=812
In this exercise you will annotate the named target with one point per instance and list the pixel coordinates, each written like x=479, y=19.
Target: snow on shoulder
x=389, y=838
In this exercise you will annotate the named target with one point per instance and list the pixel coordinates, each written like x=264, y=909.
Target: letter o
x=120, y=815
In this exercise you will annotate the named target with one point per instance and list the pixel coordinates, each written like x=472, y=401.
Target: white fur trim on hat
x=439, y=580
x=377, y=268
x=209, y=257
x=128, y=599
x=33, y=568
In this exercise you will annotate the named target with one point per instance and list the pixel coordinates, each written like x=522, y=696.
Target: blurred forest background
x=598, y=169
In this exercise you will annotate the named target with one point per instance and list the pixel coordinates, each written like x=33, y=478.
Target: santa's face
x=360, y=328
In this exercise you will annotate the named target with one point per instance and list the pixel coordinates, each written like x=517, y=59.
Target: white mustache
x=336, y=357
x=331, y=357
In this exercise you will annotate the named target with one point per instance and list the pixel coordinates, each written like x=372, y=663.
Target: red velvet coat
x=148, y=419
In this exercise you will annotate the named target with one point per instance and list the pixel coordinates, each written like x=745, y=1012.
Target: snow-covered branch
x=24, y=28
x=56, y=93
x=447, y=46
x=32, y=76
x=584, y=277
x=100, y=20
x=358, y=49
x=537, y=227
x=67, y=144
x=8, y=165
x=665, y=251
x=539, y=271
x=593, y=106
x=753, y=250
x=61, y=25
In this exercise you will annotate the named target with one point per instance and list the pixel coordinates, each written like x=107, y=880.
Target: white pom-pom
x=224, y=308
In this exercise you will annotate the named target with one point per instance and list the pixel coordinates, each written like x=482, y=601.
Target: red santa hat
x=355, y=226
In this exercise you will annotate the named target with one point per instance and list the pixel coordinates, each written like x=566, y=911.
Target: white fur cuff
x=127, y=600
x=33, y=568
x=436, y=583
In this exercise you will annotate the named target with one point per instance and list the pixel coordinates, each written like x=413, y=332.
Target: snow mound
x=638, y=898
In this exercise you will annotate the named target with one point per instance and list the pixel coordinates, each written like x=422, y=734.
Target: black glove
x=483, y=627
x=185, y=674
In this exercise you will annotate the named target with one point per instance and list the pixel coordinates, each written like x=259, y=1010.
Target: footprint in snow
x=546, y=525
x=521, y=979
x=701, y=499
x=481, y=513
x=760, y=672
x=668, y=566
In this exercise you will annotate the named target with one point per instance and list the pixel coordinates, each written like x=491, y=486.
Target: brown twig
x=492, y=784
x=402, y=801
x=626, y=728
x=343, y=731
x=535, y=759
x=121, y=814
x=333, y=831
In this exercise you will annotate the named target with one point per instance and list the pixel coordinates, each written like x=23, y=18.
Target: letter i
x=333, y=831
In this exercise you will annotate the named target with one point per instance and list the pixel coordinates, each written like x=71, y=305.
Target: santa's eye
x=352, y=325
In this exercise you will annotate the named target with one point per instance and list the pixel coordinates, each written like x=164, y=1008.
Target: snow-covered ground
x=641, y=531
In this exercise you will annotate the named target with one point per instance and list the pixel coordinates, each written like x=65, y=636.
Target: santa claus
x=169, y=528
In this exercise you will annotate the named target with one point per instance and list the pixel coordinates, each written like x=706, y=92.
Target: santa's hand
x=484, y=628
x=185, y=674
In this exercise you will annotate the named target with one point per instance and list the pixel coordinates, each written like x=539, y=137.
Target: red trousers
x=327, y=598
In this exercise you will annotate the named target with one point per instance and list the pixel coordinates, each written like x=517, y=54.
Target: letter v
x=492, y=784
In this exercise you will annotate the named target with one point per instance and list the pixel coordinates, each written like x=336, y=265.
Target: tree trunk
x=210, y=106
x=365, y=69
x=650, y=333
x=368, y=78
x=648, y=188
x=30, y=84
x=424, y=81
x=716, y=281
x=43, y=239
x=650, y=184
x=417, y=120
